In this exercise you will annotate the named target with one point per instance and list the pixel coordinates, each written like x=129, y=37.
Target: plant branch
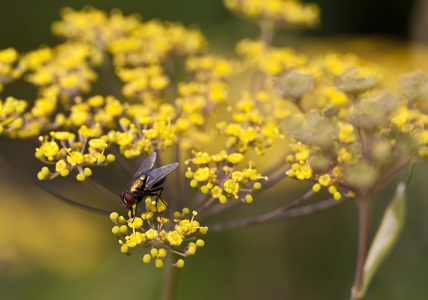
x=389, y=174
x=217, y=209
x=272, y=180
x=262, y=218
x=267, y=29
x=108, y=76
x=170, y=279
x=297, y=212
x=106, y=193
x=363, y=239
x=55, y=194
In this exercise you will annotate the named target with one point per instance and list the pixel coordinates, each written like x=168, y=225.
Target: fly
x=146, y=182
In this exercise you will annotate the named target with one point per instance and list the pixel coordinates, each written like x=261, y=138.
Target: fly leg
x=157, y=192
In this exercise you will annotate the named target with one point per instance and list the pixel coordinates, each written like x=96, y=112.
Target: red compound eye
x=128, y=199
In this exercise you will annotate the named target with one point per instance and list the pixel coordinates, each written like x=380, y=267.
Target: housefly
x=146, y=182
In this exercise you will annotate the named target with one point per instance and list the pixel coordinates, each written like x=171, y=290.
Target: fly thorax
x=137, y=186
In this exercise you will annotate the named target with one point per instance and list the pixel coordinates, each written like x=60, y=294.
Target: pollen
x=97, y=144
x=61, y=135
x=152, y=234
x=81, y=177
x=159, y=263
x=74, y=157
x=257, y=186
x=231, y=187
x=147, y=258
x=316, y=187
x=135, y=223
x=235, y=158
x=175, y=238
x=325, y=180
x=202, y=158
x=49, y=149
x=180, y=263
x=202, y=174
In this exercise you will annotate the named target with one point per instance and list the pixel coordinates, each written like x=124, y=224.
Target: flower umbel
x=333, y=121
x=158, y=234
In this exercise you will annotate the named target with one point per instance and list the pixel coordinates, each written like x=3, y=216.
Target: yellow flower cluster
x=130, y=41
x=156, y=133
x=344, y=133
x=159, y=234
x=267, y=59
x=93, y=26
x=68, y=153
x=349, y=73
x=17, y=123
x=64, y=71
x=355, y=137
x=255, y=122
x=331, y=96
x=217, y=175
x=287, y=13
x=152, y=42
x=301, y=169
x=8, y=69
x=209, y=67
x=11, y=111
x=143, y=83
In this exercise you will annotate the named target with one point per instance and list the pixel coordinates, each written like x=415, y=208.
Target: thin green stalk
x=357, y=292
x=262, y=218
x=267, y=31
x=170, y=280
x=108, y=77
x=410, y=170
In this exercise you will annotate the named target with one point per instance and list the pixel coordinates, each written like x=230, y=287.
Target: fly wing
x=146, y=165
x=158, y=174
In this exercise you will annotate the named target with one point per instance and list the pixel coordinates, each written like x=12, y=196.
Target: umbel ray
x=145, y=183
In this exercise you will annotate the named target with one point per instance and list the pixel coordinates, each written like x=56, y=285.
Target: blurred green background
x=49, y=250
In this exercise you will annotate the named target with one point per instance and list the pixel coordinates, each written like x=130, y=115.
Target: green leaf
x=386, y=236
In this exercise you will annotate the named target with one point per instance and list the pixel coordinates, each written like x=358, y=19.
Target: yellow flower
x=175, y=238
x=49, y=149
x=202, y=174
x=231, y=187
x=74, y=157
x=202, y=158
x=97, y=144
x=235, y=158
x=325, y=180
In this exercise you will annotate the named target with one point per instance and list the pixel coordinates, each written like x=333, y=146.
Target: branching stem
x=275, y=216
x=262, y=218
x=170, y=280
x=363, y=240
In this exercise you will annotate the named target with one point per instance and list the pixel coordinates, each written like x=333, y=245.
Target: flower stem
x=108, y=76
x=262, y=218
x=363, y=239
x=170, y=280
x=267, y=31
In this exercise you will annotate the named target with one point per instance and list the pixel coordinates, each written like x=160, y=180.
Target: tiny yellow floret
x=200, y=243
x=180, y=263
x=124, y=248
x=337, y=196
x=159, y=263
x=147, y=258
x=316, y=187
x=114, y=216
x=154, y=252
